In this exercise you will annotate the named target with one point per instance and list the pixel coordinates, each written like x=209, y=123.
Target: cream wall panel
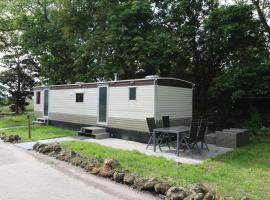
x=73, y=118
x=128, y=124
x=173, y=101
x=122, y=108
x=64, y=101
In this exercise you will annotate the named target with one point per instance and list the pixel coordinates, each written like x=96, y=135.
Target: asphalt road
x=26, y=175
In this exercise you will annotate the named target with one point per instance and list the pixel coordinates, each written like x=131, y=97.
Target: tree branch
x=45, y=11
x=261, y=16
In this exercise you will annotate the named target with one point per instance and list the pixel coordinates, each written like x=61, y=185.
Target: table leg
x=154, y=141
x=177, y=145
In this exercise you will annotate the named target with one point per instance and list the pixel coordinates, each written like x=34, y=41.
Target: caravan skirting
x=136, y=136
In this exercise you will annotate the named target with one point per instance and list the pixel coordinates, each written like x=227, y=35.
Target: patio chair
x=161, y=139
x=165, y=124
x=201, y=133
x=151, y=126
x=190, y=141
x=166, y=121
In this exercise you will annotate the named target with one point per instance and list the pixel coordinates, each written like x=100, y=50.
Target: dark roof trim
x=131, y=83
x=171, y=82
x=174, y=83
x=63, y=87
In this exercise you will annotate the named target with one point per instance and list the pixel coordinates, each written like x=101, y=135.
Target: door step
x=94, y=132
x=41, y=121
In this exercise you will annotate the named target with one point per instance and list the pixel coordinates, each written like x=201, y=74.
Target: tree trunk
x=17, y=101
x=261, y=16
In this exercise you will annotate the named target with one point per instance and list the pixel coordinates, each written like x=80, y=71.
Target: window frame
x=129, y=93
x=79, y=93
x=38, y=97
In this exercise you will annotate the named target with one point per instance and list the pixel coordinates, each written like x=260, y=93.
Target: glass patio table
x=179, y=131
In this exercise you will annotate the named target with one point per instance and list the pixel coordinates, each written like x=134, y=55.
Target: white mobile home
x=120, y=106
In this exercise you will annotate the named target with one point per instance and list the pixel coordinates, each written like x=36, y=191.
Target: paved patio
x=185, y=157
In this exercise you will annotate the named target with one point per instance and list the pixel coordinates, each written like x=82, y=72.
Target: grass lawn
x=242, y=172
x=38, y=132
x=41, y=132
x=4, y=110
x=14, y=120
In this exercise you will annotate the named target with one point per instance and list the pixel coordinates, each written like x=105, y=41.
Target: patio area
x=184, y=157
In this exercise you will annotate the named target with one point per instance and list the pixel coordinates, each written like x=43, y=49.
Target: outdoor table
x=179, y=131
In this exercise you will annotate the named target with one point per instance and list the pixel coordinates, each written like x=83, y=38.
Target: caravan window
x=79, y=97
x=38, y=97
x=132, y=93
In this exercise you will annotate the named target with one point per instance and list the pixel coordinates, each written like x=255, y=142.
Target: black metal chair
x=166, y=121
x=151, y=126
x=190, y=141
x=201, y=134
x=169, y=138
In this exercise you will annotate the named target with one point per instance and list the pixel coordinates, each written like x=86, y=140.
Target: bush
x=256, y=126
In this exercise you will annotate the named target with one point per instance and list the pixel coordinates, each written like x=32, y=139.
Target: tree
x=239, y=88
x=21, y=69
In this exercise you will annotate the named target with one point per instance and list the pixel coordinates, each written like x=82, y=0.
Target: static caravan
x=120, y=106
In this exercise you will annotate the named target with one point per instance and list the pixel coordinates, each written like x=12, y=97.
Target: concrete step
x=42, y=119
x=101, y=135
x=93, y=129
x=38, y=122
x=95, y=135
x=94, y=132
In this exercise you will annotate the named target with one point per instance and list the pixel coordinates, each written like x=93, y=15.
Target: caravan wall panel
x=175, y=102
x=63, y=106
x=130, y=114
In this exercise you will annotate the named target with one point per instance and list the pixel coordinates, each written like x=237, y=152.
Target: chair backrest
x=166, y=121
x=193, y=132
x=202, y=128
x=151, y=124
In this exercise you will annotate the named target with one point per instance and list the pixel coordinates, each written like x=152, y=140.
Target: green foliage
x=240, y=87
x=216, y=47
x=21, y=69
x=242, y=172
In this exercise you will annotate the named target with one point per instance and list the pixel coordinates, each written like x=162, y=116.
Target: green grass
x=40, y=132
x=242, y=172
x=5, y=110
x=14, y=120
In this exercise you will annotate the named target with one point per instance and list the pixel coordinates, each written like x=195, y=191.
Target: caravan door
x=103, y=104
x=46, y=103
